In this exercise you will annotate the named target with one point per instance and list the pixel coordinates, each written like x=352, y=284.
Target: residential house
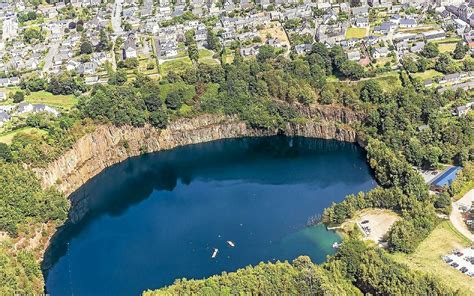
x=434, y=35
x=353, y=55
x=384, y=28
x=362, y=22
x=43, y=108
x=450, y=78
x=463, y=110
x=407, y=23
x=303, y=48
x=380, y=52
x=274, y=42
x=362, y=11
x=130, y=47
x=4, y=117
x=248, y=51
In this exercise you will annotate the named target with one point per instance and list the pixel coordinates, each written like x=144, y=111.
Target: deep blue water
x=151, y=219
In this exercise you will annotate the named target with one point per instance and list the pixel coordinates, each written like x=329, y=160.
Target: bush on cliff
x=24, y=201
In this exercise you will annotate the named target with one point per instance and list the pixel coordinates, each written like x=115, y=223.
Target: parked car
x=463, y=269
x=454, y=264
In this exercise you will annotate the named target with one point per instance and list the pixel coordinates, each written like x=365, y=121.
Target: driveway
x=116, y=19
x=456, y=214
x=48, y=59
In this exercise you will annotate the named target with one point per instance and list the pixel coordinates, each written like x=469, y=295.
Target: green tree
x=460, y=51
x=265, y=52
x=18, y=97
x=5, y=152
x=430, y=50
x=104, y=42
x=352, y=70
x=86, y=48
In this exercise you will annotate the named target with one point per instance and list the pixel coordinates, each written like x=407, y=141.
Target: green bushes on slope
x=23, y=200
x=301, y=277
x=355, y=269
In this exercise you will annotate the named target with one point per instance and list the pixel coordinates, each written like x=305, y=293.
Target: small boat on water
x=214, y=254
x=231, y=243
x=335, y=245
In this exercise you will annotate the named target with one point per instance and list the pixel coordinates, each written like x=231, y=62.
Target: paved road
x=48, y=59
x=456, y=216
x=117, y=17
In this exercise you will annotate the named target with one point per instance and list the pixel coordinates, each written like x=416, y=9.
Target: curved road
x=456, y=215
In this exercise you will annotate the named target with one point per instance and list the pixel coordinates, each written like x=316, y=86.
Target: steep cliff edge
x=108, y=145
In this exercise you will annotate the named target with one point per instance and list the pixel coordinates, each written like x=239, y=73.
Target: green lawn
x=178, y=64
x=429, y=74
x=427, y=257
x=446, y=47
x=43, y=97
x=205, y=53
x=60, y=101
x=447, y=40
x=389, y=81
x=356, y=33
x=205, y=56
x=8, y=137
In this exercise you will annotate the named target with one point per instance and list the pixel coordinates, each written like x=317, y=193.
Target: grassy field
x=427, y=257
x=8, y=137
x=205, y=56
x=43, y=97
x=178, y=64
x=389, y=81
x=446, y=47
x=356, y=33
x=429, y=74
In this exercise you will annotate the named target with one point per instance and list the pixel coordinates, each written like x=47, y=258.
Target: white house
x=362, y=22
x=380, y=52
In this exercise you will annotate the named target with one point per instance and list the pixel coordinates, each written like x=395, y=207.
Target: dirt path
x=456, y=215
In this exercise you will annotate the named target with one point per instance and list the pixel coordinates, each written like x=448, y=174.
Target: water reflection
x=267, y=161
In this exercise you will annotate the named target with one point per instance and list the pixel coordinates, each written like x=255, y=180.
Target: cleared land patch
x=275, y=32
x=356, y=33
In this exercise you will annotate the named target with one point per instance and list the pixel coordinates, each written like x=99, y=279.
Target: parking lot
x=462, y=260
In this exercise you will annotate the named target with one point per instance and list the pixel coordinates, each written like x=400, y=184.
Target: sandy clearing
x=379, y=223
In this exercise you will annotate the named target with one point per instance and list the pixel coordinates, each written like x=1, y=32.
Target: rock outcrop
x=108, y=145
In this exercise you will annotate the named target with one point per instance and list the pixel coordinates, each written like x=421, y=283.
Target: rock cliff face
x=108, y=145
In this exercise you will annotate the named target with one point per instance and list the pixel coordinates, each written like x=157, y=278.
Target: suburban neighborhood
x=93, y=40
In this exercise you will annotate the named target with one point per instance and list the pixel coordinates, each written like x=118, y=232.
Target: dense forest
x=403, y=127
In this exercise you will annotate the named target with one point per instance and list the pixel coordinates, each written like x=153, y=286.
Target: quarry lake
x=149, y=220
